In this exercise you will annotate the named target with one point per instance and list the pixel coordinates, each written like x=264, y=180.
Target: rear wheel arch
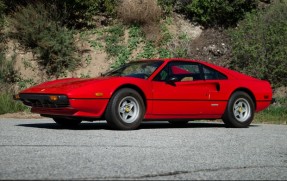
x=247, y=91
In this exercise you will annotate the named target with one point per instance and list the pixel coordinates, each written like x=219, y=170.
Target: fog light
x=54, y=98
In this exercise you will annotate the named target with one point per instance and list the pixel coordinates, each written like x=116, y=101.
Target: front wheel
x=239, y=112
x=125, y=110
x=64, y=122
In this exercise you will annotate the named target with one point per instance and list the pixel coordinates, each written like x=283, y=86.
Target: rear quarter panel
x=260, y=91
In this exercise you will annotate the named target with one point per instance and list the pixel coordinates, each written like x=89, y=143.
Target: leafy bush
x=8, y=105
x=74, y=13
x=8, y=74
x=37, y=27
x=218, y=12
x=272, y=115
x=2, y=11
x=80, y=13
x=167, y=5
x=115, y=46
x=170, y=6
x=179, y=46
x=10, y=5
x=260, y=43
x=113, y=37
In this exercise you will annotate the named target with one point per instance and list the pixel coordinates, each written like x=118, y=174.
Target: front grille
x=43, y=101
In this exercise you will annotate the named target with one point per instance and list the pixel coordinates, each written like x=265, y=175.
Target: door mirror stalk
x=172, y=80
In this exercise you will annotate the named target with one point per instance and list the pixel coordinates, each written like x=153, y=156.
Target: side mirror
x=172, y=80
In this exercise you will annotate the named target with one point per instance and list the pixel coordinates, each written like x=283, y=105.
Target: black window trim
x=201, y=71
x=218, y=72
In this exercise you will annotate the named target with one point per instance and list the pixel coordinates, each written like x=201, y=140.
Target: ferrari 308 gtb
x=175, y=90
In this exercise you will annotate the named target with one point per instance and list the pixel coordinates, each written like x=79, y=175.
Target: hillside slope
x=94, y=55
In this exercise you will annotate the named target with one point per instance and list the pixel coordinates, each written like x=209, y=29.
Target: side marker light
x=99, y=94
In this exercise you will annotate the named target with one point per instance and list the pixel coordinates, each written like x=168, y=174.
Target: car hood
x=63, y=86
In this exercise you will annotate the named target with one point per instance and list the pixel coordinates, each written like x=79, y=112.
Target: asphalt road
x=39, y=149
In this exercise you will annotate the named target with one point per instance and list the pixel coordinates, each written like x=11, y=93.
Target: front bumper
x=64, y=106
x=43, y=100
x=89, y=108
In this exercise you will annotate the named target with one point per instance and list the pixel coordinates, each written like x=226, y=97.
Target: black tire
x=179, y=122
x=125, y=110
x=68, y=123
x=239, y=112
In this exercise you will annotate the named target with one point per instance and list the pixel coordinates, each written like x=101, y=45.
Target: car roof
x=228, y=72
x=172, y=59
x=166, y=60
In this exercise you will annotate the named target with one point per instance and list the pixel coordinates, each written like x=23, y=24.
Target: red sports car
x=177, y=90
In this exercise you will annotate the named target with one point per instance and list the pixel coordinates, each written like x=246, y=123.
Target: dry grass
x=146, y=13
x=152, y=32
x=139, y=11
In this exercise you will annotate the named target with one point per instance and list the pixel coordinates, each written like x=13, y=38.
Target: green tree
x=36, y=27
x=260, y=44
x=2, y=12
x=73, y=13
x=80, y=13
x=218, y=12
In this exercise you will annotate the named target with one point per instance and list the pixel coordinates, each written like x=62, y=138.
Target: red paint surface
x=202, y=99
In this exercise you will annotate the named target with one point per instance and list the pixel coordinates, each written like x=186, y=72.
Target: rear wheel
x=64, y=122
x=125, y=110
x=239, y=112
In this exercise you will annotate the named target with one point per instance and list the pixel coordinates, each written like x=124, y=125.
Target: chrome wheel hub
x=128, y=109
x=241, y=110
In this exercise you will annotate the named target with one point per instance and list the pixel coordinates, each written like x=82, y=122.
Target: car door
x=217, y=87
x=180, y=90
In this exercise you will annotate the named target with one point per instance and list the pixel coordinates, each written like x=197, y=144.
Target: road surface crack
x=175, y=173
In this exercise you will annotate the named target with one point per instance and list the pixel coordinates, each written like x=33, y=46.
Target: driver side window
x=182, y=71
x=163, y=75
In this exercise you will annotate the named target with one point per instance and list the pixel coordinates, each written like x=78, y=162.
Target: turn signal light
x=54, y=98
x=16, y=97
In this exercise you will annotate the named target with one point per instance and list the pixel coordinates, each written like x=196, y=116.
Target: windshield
x=138, y=69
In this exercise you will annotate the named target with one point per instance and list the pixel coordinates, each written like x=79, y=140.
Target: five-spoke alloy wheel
x=125, y=110
x=241, y=109
x=128, y=109
x=239, y=112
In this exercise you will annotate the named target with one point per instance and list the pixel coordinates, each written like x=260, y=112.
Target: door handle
x=217, y=85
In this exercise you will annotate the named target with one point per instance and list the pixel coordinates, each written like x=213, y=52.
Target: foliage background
x=128, y=30
x=260, y=43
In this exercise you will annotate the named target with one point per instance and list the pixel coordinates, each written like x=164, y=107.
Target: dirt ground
x=21, y=115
